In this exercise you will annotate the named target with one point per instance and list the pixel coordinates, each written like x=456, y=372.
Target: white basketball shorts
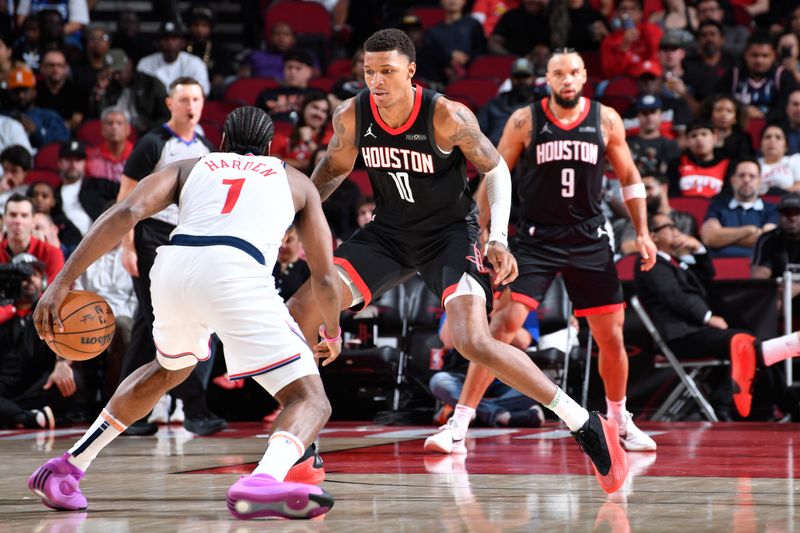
x=200, y=290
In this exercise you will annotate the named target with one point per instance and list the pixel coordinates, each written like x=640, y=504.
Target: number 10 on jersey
x=403, y=185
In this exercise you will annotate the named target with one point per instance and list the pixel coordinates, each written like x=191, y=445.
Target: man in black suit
x=674, y=296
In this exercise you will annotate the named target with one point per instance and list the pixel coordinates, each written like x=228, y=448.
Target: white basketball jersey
x=241, y=196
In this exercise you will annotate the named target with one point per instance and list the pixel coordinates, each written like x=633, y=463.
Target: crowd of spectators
x=709, y=91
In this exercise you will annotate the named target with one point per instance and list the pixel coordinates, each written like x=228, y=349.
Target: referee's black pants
x=149, y=234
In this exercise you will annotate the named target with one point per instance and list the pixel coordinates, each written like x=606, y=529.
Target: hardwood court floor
x=737, y=477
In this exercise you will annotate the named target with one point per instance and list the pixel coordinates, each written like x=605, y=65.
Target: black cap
x=72, y=149
x=410, y=22
x=25, y=263
x=170, y=28
x=522, y=67
x=648, y=102
x=300, y=55
x=789, y=202
x=674, y=39
x=200, y=13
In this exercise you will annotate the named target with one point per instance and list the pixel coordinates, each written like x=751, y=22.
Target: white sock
x=616, y=410
x=462, y=416
x=780, y=348
x=573, y=415
x=105, y=429
x=283, y=451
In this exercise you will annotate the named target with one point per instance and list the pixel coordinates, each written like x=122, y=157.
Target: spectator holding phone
x=788, y=51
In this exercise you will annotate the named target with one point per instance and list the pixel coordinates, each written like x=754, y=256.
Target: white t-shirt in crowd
x=73, y=208
x=185, y=65
x=783, y=174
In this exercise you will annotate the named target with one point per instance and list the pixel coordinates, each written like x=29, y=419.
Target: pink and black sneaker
x=56, y=483
x=260, y=496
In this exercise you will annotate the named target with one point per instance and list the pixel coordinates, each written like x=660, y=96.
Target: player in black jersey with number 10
x=414, y=143
x=563, y=142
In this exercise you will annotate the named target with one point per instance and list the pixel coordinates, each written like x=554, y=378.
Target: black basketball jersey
x=562, y=176
x=418, y=188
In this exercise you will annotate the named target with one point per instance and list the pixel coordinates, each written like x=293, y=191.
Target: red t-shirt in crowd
x=100, y=163
x=48, y=254
x=703, y=181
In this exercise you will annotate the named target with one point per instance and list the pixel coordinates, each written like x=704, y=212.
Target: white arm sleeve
x=498, y=186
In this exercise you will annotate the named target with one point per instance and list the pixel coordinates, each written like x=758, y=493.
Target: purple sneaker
x=56, y=483
x=259, y=495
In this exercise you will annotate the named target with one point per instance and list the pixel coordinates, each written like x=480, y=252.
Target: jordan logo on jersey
x=401, y=158
x=545, y=129
x=567, y=151
x=369, y=132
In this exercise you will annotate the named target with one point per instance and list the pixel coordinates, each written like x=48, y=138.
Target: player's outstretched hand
x=46, y=314
x=648, y=250
x=505, y=265
x=328, y=349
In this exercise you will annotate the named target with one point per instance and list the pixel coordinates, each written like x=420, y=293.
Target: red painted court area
x=685, y=449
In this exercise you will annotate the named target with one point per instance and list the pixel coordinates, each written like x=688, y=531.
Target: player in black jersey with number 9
x=414, y=143
x=563, y=142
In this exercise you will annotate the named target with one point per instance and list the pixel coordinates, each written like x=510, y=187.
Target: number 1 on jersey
x=233, y=194
x=568, y=182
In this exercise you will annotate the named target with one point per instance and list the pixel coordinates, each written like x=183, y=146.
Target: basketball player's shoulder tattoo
x=465, y=132
x=609, y=121
x=339, y=129
x=522, y=121
x=327, y=175
x=609, y=118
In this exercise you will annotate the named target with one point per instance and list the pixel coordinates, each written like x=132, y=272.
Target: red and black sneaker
x=743, y=371
x=308, y=469
x=599, y=439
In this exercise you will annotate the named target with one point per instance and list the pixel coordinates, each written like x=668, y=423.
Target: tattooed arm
x=341, y=153
x=456, y=126
x=619, y=155
x=516, y=135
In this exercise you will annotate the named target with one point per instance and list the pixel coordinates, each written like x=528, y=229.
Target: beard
x=652, y=205
x=568, y=103
x=521, y=93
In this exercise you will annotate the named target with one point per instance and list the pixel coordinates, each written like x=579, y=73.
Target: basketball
x=88, y=326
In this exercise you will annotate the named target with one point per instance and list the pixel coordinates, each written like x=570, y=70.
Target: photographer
x=33, y=384
x=19, y=239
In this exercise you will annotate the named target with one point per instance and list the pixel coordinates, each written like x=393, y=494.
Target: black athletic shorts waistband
x=600, y=219
x=219, y=240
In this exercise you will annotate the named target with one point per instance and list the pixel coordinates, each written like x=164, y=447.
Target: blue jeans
x=499, y=397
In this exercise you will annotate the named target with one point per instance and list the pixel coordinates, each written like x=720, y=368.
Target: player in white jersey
x=215, y=276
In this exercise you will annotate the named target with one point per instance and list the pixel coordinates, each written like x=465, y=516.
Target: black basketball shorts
x=581, y=253
x=377, y=258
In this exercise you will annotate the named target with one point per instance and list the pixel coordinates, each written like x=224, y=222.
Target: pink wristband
x=325, y=337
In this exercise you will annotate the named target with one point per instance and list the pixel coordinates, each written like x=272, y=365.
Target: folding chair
x=367, y=378
x=422, y=312
x=686, y=388
x=553, y=313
